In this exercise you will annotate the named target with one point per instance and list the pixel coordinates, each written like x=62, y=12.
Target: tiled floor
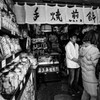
x=52, y=89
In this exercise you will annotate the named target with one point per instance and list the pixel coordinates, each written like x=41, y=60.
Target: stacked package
x=5, y=49
x=8, y=46
x=12, y=78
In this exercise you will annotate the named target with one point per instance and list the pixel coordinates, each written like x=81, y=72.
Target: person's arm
x=95, y=56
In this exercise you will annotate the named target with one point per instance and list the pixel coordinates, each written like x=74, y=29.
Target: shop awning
x=46, y=14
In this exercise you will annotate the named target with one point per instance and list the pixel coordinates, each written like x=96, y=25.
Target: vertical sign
x=55, y=15
x=0, y=18
x=74, y=15
x=20, y=13
x=35, y=14
x=90, y=16
x=98, y=13
x=1, y=6
x=95, y=16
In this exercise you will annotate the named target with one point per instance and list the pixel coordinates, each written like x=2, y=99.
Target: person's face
x=24, y=34
x=73, y=39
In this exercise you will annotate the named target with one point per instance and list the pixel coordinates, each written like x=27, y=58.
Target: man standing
x=72, y=54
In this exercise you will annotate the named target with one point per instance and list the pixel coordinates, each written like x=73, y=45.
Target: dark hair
x=91, y=36
x=73, y=32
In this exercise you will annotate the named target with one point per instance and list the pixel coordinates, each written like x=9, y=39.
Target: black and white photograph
x=49, y=49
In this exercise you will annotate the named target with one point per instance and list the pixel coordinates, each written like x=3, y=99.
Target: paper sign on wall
x=74, y=15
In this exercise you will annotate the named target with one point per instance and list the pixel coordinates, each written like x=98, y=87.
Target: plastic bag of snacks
x=8, y=40
x=33, y=61
x=5, y=47
x=9, y=82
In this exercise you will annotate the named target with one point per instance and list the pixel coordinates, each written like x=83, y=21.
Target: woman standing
x=89, y=55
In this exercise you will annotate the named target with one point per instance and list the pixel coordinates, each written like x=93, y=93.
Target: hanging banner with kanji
x=90, y=16
x=74, y=15
x=20, y=13
x=55, y=15
x=35, y=14
x=98, y=13
x=95, y=14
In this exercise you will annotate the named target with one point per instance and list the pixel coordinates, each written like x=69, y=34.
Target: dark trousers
x=73, y=76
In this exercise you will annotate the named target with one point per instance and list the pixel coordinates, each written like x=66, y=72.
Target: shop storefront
x=47, y=25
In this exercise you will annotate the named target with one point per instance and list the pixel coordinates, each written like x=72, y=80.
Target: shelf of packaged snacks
x=16, y=95
x=6, y=61
x=4, y=31
x=48, y=68
x=19, y=91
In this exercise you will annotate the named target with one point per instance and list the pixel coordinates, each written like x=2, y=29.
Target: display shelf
x=4, y=31
x=48, y=68
x=18, y=92
x=47, y=63
x=6, y=61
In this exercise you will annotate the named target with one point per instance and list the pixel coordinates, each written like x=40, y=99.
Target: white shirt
x=72, y=51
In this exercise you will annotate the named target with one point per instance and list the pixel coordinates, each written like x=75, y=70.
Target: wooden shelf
x=18, y=92
x=8, y=60
x=5, y=31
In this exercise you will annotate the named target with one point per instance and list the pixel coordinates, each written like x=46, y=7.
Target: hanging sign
x=98, y=13
x=95, y=16
x=74, y=15
x=90, y=16
x=0, y=19
x=55, y=15
x=35, y=14
x=20, y=13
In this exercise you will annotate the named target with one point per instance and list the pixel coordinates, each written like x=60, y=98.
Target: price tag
x=3, y=63
x=17, y=58
x=13, y=98
x=13, y=56
x=12, y=32
x=21, y=86
x=24, y=80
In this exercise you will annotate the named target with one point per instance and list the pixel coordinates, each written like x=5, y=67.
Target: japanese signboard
x=74, y=15
x=90, y=16
x=20, y=13
x=46, y=14
x=55, y=15
x=98, y=13
x=95, y=20
x=35, y=14
x=0, y=18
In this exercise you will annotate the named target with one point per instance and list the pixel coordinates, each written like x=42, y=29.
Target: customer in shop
x=25, y=41
x=72, y=62
x=89, y=55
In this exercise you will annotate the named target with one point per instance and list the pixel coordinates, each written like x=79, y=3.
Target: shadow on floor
x=55, y=90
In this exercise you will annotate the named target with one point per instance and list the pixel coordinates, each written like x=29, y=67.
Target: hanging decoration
x=46, y=14
x=90, y=15
x=74, y=15
x=20, y=13
x=0, y=19
x=35, y=14
x=98, y=14
x=95, y=16
x=55, y=14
